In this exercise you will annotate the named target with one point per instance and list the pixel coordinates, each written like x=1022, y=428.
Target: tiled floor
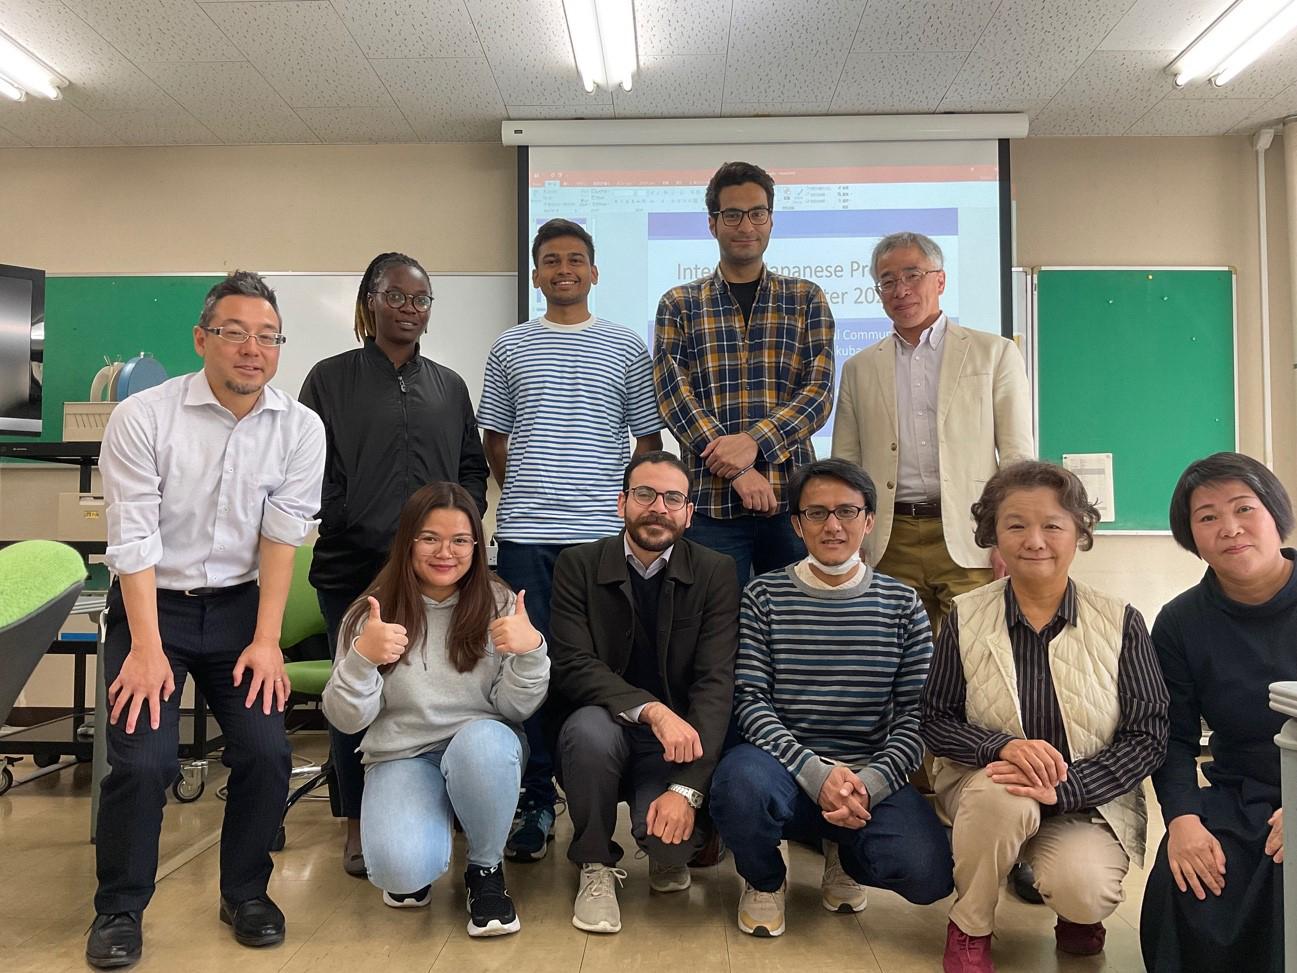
x=338, y=923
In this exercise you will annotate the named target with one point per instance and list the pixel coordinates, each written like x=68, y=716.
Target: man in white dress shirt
x=931, y=412
x=211, y=480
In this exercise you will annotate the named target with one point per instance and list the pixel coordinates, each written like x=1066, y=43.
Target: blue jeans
x=531, y=567
x=755, y=803
x=407, y=821
x=757, y=544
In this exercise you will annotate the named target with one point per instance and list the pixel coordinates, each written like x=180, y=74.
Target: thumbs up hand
x=380, y=642
x=514, y=634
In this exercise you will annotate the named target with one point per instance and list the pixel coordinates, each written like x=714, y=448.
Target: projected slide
x=650, y=230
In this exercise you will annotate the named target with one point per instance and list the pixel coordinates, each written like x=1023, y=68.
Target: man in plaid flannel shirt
x=743, y=365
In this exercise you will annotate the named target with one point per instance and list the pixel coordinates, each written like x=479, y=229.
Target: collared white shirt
x=191, y=490
x=918, y=375
x=659, y=563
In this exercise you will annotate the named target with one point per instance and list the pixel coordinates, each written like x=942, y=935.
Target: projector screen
x=644, y=206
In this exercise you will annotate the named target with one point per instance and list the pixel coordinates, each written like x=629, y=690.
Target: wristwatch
x=694, y=798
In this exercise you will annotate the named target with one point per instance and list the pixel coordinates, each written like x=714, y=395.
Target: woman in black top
x=1214, y=895
x=394, y=421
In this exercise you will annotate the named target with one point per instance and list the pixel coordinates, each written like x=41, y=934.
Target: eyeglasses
x=396, y=299
x=758, y=215
x=844, y=512
x=461, y=545
x=910, y=278
x=646, y=496
x=237, y=336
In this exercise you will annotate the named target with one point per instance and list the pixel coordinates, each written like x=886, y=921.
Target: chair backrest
x=302, y=617
x=39, y=584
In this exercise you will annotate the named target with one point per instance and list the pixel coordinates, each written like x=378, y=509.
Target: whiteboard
x=469, y=312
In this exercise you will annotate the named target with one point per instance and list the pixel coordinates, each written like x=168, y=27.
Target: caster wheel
x=280, y=839
x=187, y=791
x=6, y=779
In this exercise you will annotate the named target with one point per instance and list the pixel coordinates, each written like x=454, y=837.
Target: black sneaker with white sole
x=490, y=910
x=408, y=900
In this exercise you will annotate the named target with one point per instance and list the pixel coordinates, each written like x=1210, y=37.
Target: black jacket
x=591, y=629
x=389, y=432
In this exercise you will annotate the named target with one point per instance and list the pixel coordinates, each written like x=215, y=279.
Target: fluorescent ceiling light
x=1237, y=38
x=21, y=67
x=603, y=41
x=10, y=90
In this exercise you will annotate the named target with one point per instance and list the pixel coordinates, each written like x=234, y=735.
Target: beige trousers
x=1078, y=861
x=916, y=555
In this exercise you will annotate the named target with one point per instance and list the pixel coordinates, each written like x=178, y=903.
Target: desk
x=82, y=455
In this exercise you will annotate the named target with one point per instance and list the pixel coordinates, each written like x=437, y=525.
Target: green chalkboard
x=90, y=318
x=1140, y=364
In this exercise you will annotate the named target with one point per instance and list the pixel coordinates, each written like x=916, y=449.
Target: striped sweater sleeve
x=902, y=752
x=754, y=709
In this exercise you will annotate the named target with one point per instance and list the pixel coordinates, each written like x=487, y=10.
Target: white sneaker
x=410, y=900
x=839, y=892
x=762, y=913
x=668, y=878
x=596, y=908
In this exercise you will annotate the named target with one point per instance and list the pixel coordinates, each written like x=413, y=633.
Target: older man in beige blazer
x=931, y=411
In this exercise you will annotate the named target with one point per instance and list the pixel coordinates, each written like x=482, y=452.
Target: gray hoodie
x=423, y=701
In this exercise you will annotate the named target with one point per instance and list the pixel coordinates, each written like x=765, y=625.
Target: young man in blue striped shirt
x=561, y=397
x=832, y=660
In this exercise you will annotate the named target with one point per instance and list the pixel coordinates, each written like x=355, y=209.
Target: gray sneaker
x=596, y=908
x=762, y=913
x=668, y=878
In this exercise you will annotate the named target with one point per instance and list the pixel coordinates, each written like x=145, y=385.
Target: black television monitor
x=22, y=349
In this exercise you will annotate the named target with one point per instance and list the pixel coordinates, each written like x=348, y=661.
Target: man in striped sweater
x=832, y=660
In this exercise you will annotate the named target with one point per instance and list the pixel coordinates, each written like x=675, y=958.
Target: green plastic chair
x=39, y=584
x=303, y=620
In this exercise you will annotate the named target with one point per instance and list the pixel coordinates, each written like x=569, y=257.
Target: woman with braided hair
x=395, y=420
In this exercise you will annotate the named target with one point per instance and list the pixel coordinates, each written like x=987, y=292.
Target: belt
x=925, y=508
x=208, y=592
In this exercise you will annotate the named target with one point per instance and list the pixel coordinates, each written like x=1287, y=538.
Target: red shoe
x=1080, y=939
x=965, y=953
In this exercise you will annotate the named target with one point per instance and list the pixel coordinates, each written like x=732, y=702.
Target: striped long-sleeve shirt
x=1137, y=748
x=771, y=377
x=828, y=677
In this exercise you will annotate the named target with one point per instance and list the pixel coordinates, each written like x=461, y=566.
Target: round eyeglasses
x=396, y=299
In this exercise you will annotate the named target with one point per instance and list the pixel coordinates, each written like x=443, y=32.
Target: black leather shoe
x=256, y=922
x=1023, y=882
x=115, y=940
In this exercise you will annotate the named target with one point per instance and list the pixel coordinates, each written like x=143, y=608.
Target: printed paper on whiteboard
x=1094, y=470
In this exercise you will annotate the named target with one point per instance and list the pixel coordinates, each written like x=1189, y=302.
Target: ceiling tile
x=100, y=78
x=1106, y=94
x=1162, y=25
x=1273, y=112
x=156, y=30
x=439, y=96
x=231, y=99
x=1204, y=116
x=680, y=86
x=758, y=109
x=9, y=140
x=671, y=27
x=923, y=25
x=574, y=112
x=1027, y=53
x=53, y=123
x=346, y=125
x=530, y=52
x=398, y=28
x=170, y=127
x=788, y=50
x=303, y=49
x=892, y=83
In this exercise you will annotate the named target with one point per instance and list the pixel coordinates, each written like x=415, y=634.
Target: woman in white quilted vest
x=1046, y=710
x=1214, y=899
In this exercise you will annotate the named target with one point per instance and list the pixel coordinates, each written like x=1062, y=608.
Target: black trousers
x=603, y=762
x=202, y=637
